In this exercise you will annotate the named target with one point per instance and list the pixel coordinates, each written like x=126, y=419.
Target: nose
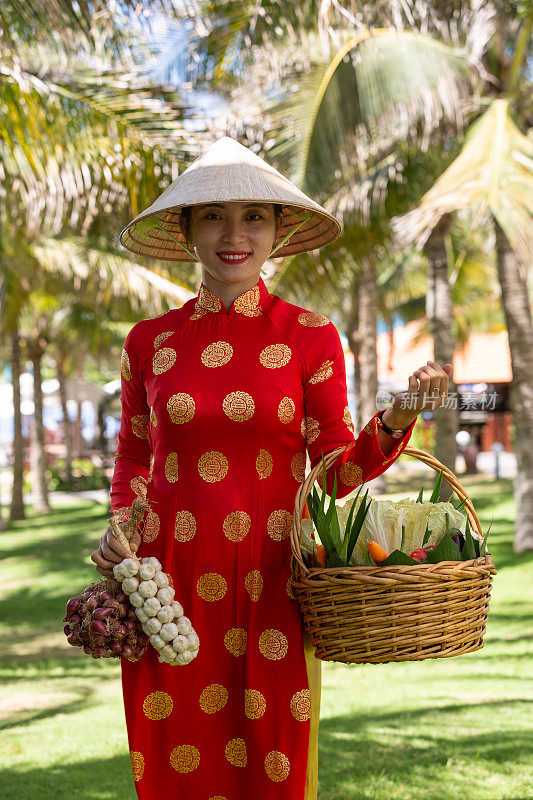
x=233, y=231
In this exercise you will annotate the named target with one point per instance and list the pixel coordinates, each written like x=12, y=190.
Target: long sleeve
x=329, y=424
x=133, y=454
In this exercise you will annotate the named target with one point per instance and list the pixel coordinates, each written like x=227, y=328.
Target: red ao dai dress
x=218, y=408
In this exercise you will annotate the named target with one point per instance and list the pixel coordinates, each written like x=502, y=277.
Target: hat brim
x=158, y=234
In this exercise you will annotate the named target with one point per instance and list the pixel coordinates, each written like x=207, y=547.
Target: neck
x=227, y=292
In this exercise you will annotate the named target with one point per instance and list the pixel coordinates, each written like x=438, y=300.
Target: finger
x=107, y=573
x=116, y=548
x=98, y=559
x=109, y=552
x=135, y=542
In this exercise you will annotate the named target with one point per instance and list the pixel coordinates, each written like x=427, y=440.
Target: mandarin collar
x=248, y=304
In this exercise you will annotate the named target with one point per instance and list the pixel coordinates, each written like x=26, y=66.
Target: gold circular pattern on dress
x=218, y=797
x=236, y=752
x=248, y=303
x=151, y=527
x=158, y=705
x=323, y=373
x=139, y=425
x=275, y=355
x=254, y=703
x=238, y=406
x=277, y=766
x=139, y=485
x=217, y=354
x=235, y=641
x=122, y=514
x=313, y=430
x=303, y=428
x=273, y=644
x=237, y=525
x=372, y=426
x=213, y=698
x=211, y=587
x=351, y=474
x=181, y=407
x=208, y=300
x=311, y=320
x=286, y=410
x=279, y=524
x=125, y=370
x=185, y=758
x=153, y=418
x=185, y=527
x=213, y=466
x=347, y=419
x=158, y=341
x=163, y=360
x=151, y=473
x=298, y=466
x=171, y=467
x=199, y=312
x=264, y=464
x=288, y=587
x=254, y=584
x=137, y=764
x=301, y=705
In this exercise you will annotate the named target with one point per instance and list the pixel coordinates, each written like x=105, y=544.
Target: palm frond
x=494, y=172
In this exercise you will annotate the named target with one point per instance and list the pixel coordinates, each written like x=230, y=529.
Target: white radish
x=147, y=589
x=168, y=631
x=151, y=606
x=165, y=596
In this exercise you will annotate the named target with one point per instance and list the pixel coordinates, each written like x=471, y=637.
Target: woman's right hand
x=111, y=551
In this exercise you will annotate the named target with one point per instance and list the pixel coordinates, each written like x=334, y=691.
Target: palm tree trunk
x=353, y=334
x=78, y=425
x=512, y=276
x=440, y=316
x=17, y=499
x=67, y=431
x=40, y=484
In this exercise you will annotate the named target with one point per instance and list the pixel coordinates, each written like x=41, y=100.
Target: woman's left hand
x=428, y=389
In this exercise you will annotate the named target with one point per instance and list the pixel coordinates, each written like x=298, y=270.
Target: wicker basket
x=378, y=614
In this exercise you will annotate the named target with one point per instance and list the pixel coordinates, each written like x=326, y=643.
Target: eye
x=211, y=214
x=256, y=215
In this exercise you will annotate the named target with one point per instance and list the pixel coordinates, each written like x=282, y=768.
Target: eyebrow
x=246, y=205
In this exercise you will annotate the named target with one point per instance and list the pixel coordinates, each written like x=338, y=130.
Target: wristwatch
x=396, y=433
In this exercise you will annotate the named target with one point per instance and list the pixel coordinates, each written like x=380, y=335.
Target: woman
x=220, y=400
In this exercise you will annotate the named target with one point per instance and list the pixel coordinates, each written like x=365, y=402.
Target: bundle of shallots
x=103, y=622
x=149, y=592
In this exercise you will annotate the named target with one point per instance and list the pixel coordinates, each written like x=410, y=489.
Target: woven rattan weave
x=399, y=613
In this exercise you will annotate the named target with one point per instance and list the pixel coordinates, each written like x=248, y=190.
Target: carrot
x=377, y=552
x=321, y=555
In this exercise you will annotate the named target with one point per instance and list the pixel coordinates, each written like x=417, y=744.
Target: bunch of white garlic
x=161, y=617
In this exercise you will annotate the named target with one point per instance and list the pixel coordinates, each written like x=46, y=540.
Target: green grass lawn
x=448, y=729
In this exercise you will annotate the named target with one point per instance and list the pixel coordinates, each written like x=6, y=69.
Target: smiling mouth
x=233, y=258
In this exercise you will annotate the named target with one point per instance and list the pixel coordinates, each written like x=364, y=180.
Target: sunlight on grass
x=441, y=728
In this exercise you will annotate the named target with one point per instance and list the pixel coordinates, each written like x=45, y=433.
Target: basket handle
x=330, y=458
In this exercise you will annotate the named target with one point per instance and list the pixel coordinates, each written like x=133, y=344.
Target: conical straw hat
x=228, y=172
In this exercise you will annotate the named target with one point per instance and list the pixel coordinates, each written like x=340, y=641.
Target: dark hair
x=185, y=217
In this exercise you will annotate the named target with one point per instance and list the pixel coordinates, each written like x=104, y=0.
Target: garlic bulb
x=193, y=641
x=118, y=572
x=147, y=589
x=130, y=567
x=152, y=625
x=180, y=644
x=154, y=563
x=161, y=579
x=130, y=585
x=184, y=626
x=146, y=572
x=169, y=631
x=165, y=596
x=136, y=600
x=168, y=652
x=151, y=606
x=166, y=614
x=177, y=608
x=140, y=614
x=157, y=641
